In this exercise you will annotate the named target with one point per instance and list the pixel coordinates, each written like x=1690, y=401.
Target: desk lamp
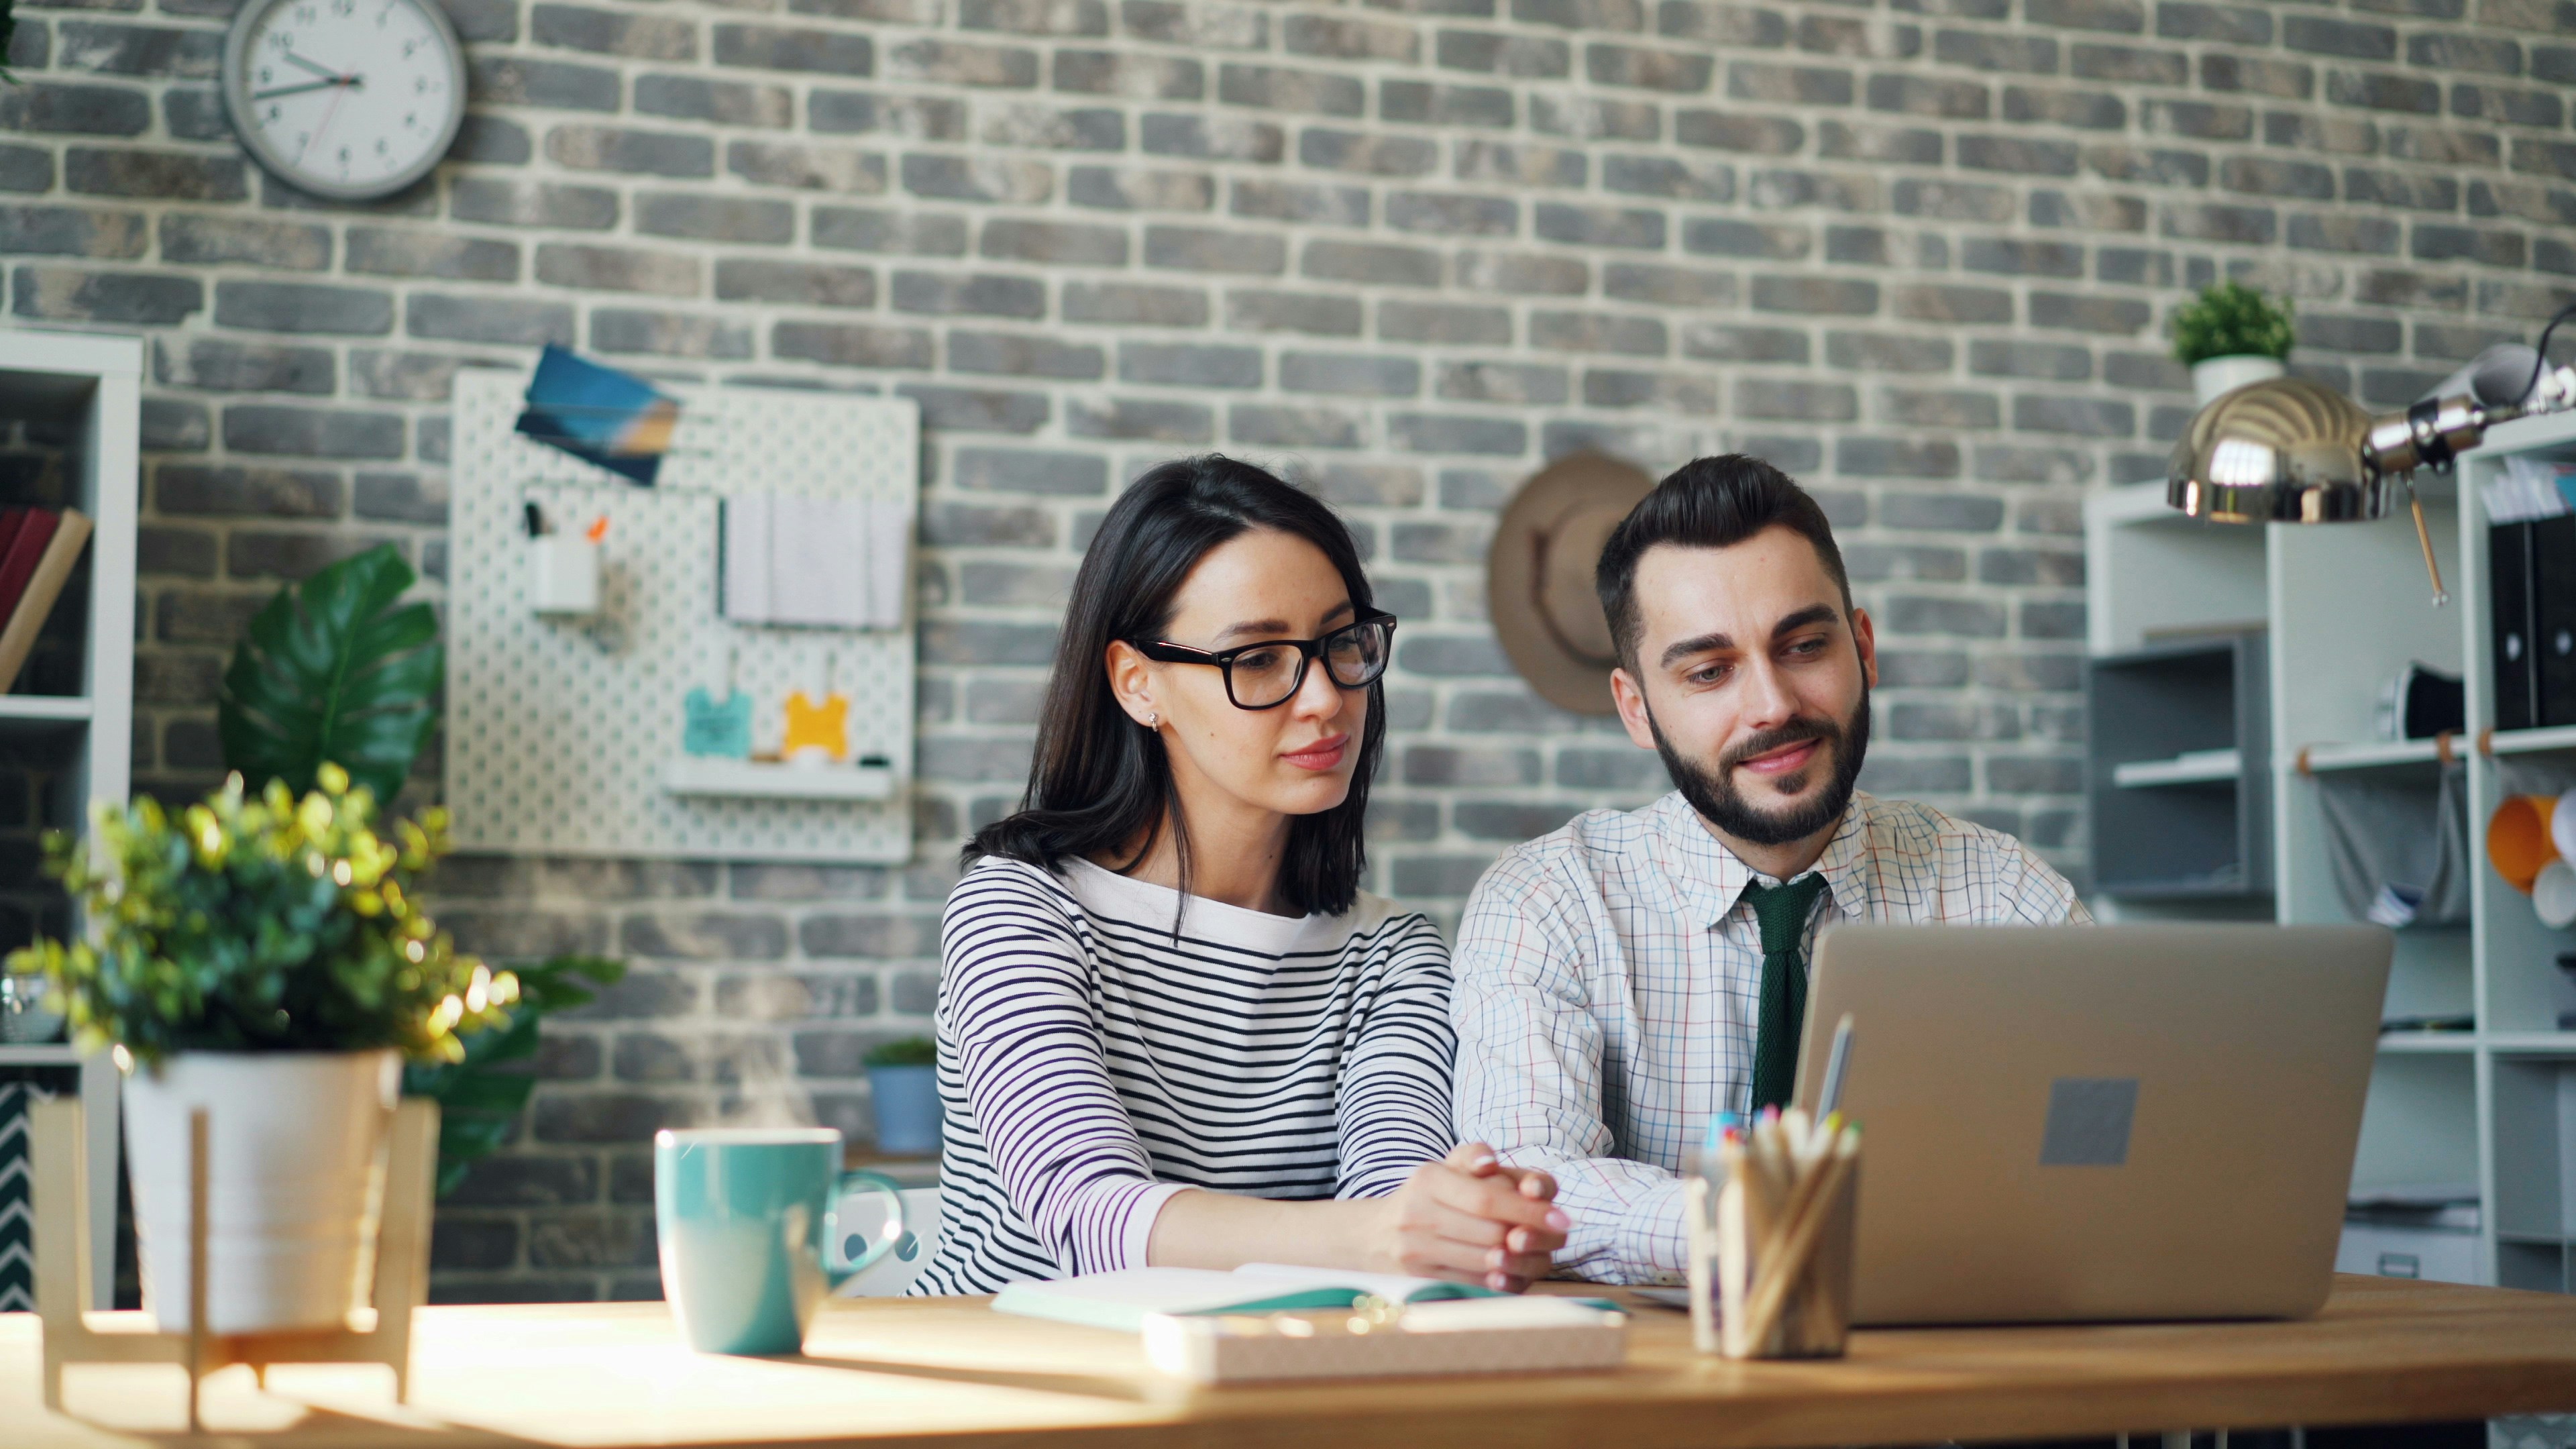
x=2288, y=450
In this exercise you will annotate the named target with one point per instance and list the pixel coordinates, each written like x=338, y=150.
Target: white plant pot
x=2213, y=376
x=295, y=1179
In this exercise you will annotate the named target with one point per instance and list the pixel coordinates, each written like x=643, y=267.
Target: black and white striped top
x=1090, y=1066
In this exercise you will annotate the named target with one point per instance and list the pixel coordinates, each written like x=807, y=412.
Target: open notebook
x=1125, y=1299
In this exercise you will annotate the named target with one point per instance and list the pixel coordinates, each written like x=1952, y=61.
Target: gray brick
x=807, y=168
x=515, y=81
x=1941, y=407
x=913, y=118
x=1515, y=383
x=804, y=284
x=1953, y=100
x=1772, y=398
x=1596, y=118
x=1987, y=50
x=1351, y=375
x=1422, y=103
x=1885, y=352
x=25, y=168
x=1442, y=322
x=1025, y=470
x=2081, y=416
x=2344, y=232
x=852, y=344
x=1788, y=85
x=1678, y=72
x=401, y=498
x=1140, y=188
x=69, y=231
x=718, y=102
x=168, y=175
x=1134, y=76
x=1035, y=17
x=1272, y=426
x=1451, y=215
x=312, y=432
x=668, y=334
x=1079, y=128
x=512, y=320
x=1349, y=38
x=1692, y=394
x=1726, y=237
x=983, y=294
x=1209, y=249
x=1213, y=138
x=1674, y=286
x=221, y=365
x=978, y=410
x=1371, y=263
x=1057, y=243
x=384, y=251
x=47, y=107
x=1189, y=364
x=552, y=205
x=917, y=234
x=1728, y=342
x=1433, y=433
x=1729, y=131
x=2230, y=24
x=303, y=307
x=1140, y=419
x=619, y=148
x=1024, y=356
x=1324, y=205
x=1677, y=178
x=803, y=48
x=618, y=269
x=1489, y=53
x=1635, y=227
x=1280, y=88
x=715, y=218
x=2349, y=40
x=1377, y=155
x=245, y=492
x=1315, y=314
x=1128, y=304
x=2020, y=155
x=1814, y=296
x=1598, y=332
x=612, y=32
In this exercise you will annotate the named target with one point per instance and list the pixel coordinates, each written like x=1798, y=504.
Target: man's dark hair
x=1706, y=503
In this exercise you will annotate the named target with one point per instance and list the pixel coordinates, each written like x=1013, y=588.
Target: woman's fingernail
x=1557, y=1219
x=1480, y=1164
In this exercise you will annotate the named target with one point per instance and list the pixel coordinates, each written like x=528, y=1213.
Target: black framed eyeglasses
x=1269, y=674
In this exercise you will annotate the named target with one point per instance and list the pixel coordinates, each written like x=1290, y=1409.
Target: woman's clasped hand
x=1469, y=1219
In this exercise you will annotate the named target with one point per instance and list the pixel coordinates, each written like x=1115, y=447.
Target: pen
x=1835, y=1065
x=536, y=521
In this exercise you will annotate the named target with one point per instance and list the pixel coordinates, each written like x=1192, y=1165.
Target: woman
x=1172, y=1029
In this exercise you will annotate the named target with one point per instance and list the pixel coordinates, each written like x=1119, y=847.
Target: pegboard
x=558, y=728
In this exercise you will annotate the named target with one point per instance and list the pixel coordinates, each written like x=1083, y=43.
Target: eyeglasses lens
x=1266, y=676
x=1357, y=655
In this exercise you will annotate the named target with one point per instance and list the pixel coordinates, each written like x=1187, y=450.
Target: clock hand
x=314, y=67
x=319, y=85
x=334, y=109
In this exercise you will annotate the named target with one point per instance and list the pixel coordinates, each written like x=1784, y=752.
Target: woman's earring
x=1153, y=721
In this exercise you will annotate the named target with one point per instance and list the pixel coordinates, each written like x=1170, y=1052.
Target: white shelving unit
x=2345, y=607
x=96, y=379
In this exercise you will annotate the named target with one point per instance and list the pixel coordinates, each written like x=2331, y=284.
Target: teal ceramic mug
x=749, y=1224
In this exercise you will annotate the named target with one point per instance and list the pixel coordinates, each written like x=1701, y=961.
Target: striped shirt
x=1091, y=1066
x=1610, y=981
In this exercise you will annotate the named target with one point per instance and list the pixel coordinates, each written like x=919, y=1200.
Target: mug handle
x=835, y=1249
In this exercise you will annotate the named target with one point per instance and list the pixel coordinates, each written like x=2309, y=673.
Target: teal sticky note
x=718, y=728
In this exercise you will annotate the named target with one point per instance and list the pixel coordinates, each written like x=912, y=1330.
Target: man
x=1624, y=979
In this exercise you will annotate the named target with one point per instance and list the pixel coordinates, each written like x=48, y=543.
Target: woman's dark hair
x=1100, y=785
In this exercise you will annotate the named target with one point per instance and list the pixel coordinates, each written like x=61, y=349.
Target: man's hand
x=1469, y=1219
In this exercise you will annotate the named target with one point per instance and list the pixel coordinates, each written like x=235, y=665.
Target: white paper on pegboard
x=558, y=728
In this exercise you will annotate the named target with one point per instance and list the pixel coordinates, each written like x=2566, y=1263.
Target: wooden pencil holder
x=380, y=1334
x=1737, y=1308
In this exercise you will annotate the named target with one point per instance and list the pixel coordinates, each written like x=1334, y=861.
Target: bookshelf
x=70, y=409
x=2342, y=608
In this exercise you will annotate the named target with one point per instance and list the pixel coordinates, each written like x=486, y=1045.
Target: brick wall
x=1921, y=255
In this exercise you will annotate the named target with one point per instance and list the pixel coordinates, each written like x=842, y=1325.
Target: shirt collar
x=1712, y=879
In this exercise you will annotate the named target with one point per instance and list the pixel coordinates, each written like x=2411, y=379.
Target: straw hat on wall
x=1538, y=579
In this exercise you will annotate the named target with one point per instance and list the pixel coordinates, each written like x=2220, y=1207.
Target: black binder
x=2517, y=683
x=2553, y=615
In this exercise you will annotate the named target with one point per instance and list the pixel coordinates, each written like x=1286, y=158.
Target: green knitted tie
x=1783, y=911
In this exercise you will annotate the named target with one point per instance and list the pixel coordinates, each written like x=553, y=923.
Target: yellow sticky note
x=812, y=726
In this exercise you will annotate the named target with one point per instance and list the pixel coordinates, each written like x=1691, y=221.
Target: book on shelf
x=38, y=549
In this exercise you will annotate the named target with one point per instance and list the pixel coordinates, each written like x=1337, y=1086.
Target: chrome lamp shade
x=2284, y=450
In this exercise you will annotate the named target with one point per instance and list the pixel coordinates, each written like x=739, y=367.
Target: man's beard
x=1713, y=794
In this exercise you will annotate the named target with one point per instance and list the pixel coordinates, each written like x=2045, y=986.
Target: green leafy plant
x=332, y=669
x=2230, y=319
x=265, y=923
x=905, y=1051
x=481, y=1094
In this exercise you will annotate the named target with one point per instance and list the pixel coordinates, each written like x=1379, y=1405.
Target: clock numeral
x=380, y=145
x=272, y=110
x=306, y=14
x=420, y=85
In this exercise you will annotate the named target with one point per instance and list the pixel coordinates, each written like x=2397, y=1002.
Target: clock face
x=345, y=98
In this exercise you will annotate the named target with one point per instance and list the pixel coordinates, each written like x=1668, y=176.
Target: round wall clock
x=344, y=98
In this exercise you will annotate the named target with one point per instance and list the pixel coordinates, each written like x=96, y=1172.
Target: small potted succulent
x=2231, y=335
x=265, y=958
x=903, y=1082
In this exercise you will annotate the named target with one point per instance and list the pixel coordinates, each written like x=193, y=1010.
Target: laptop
x=2072, y=1123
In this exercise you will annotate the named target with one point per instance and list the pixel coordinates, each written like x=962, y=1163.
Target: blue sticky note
x=599, y=414
x=718, y=728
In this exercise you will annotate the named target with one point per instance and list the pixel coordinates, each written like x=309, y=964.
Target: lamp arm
x=2433, y=432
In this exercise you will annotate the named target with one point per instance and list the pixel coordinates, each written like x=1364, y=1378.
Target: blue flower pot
x=907, y=1105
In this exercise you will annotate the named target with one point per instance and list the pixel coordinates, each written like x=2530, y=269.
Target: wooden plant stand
x=378, y=1335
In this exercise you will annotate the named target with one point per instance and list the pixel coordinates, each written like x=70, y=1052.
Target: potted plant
x=903, y=1083
x=263, y=958
x=2231, y=335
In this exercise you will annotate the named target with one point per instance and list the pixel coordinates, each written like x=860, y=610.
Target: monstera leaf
x=332, y=671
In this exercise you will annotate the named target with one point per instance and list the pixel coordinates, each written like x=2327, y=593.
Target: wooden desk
x=958, y=1375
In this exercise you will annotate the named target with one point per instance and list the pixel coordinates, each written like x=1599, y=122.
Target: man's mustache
x=1794, y=731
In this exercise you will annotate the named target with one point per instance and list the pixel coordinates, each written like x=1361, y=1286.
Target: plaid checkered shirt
x=1609, y=978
